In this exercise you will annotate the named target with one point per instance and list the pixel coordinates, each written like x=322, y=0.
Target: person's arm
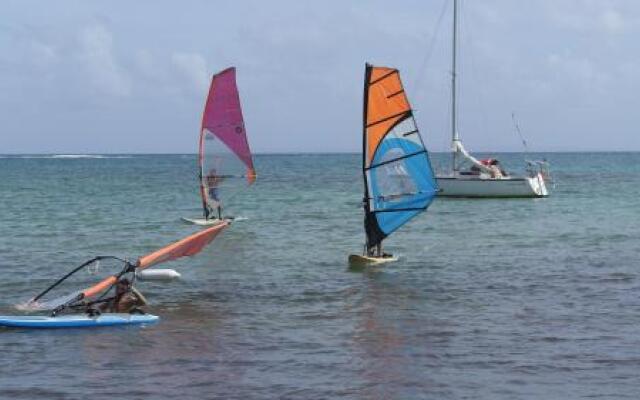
x=140, y=299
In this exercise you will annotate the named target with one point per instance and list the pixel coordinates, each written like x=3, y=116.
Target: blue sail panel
x=401, y=181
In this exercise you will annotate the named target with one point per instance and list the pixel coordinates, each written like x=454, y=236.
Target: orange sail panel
x=188, y=246
x=386, y=104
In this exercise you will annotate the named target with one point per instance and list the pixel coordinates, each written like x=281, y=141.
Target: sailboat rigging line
x=395, y=159
x=517, y=127
x=385, y=76
x=390, y=117
x=473, y=73
x=78, y=268
x=434, y=37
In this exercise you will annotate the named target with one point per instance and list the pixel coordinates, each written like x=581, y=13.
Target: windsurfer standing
x=126, y=300
x=213, y=180
x=376, y=251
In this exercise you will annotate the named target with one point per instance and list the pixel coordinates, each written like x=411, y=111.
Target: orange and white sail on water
x=188, y=246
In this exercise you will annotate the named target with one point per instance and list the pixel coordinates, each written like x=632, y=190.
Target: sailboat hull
x=462, y=186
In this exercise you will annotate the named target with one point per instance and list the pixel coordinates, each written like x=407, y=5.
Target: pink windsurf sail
x=225, y=161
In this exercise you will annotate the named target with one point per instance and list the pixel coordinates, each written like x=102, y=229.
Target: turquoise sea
x=491, y=299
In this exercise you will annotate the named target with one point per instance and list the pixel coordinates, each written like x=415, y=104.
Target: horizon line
x=299, y=152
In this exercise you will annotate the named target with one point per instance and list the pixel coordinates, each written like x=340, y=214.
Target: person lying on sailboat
x=494, y=168
x=126, y=300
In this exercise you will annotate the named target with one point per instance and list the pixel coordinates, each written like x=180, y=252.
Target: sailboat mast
x=454, y=130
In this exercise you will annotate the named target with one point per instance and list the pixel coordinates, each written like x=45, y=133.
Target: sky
x=90, y=76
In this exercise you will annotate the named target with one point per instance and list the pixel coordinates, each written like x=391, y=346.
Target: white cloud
x=194, y=68
x=590, y=16
x=583, y=72
x=96, y=53
x=612, y=21
x=42, y=55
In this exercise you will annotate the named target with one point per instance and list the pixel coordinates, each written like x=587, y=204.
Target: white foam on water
x=77, y=156
x=66, y=156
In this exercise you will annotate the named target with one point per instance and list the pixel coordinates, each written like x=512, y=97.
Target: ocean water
x=491, y=299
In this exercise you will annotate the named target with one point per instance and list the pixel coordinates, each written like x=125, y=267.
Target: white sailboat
x=484, y=178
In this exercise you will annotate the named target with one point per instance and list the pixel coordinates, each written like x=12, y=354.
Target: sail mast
x=454, y=130
x=203, y=190
x=365, y=109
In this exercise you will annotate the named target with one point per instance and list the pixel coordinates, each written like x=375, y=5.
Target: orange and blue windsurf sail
x=398, y=177
x=224, y=156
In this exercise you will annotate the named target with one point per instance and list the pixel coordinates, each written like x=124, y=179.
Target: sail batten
x=398, y=177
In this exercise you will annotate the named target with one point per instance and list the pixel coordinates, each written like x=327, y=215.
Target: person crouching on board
x=126, y=300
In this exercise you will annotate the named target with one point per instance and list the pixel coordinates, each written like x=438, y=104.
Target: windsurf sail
x=189, y=246
x=225, y=161
x=398, y=177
